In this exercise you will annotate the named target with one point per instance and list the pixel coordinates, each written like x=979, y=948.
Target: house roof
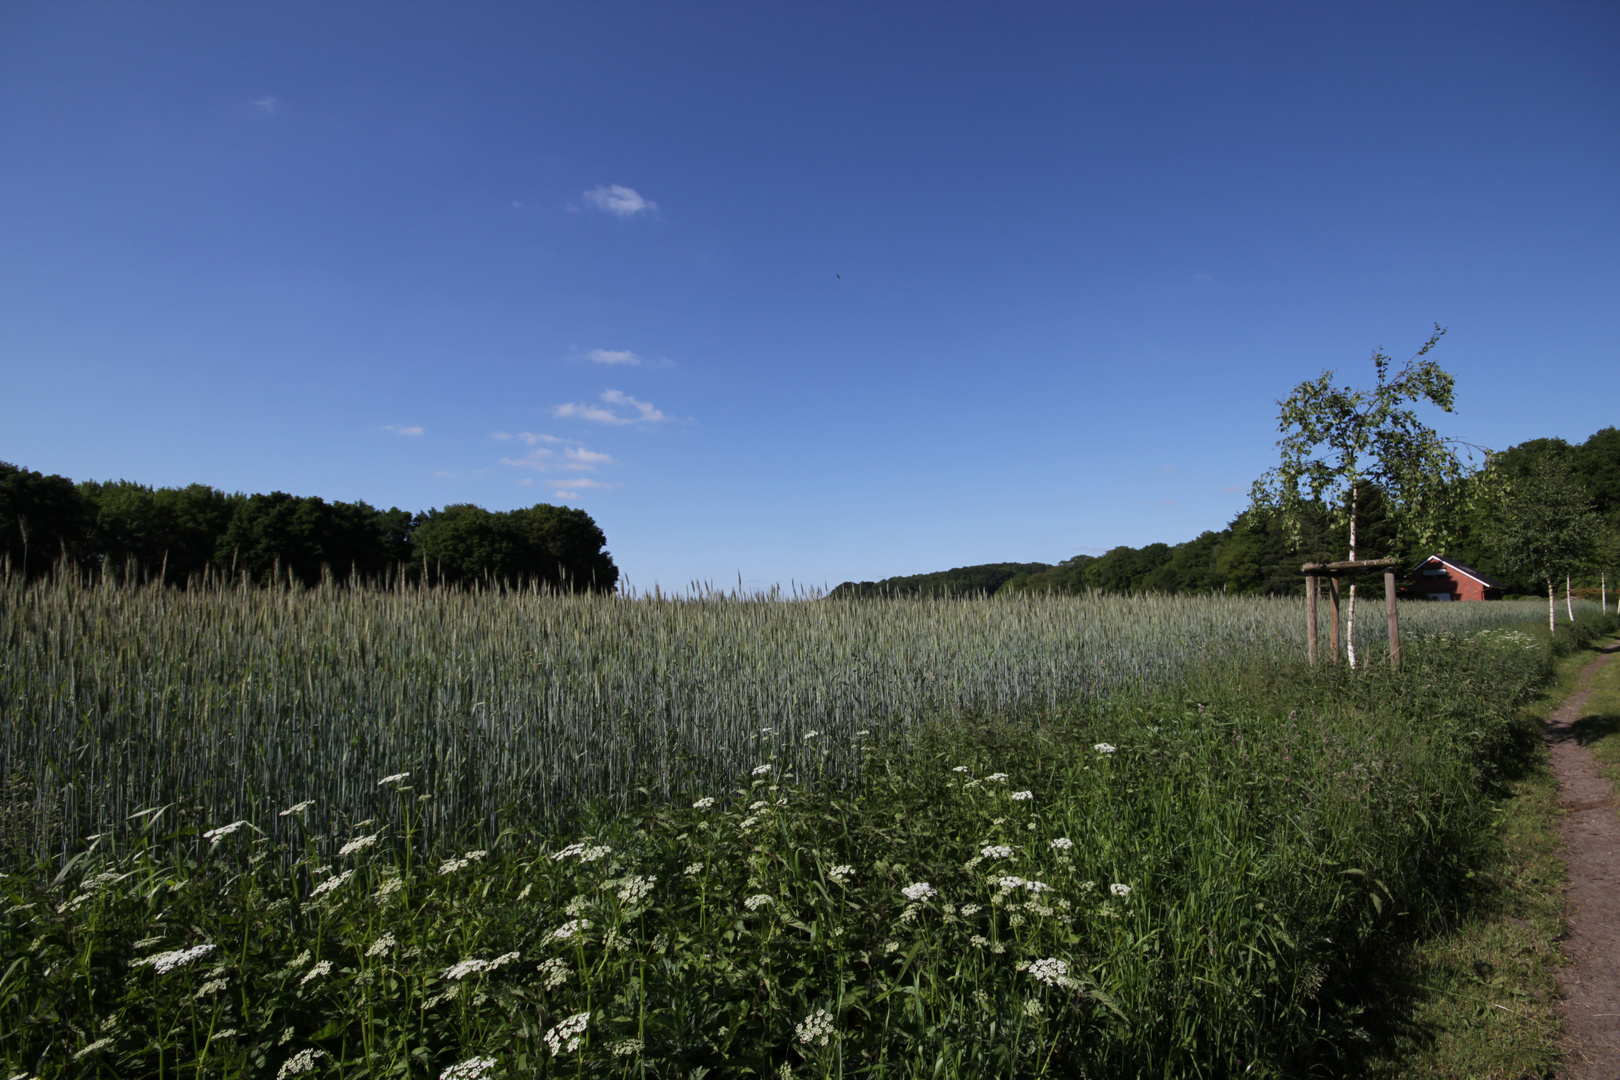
x=1489, y=583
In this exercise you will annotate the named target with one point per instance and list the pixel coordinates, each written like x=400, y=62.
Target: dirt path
x=1591, y=830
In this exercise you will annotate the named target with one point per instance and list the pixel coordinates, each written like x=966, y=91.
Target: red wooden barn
x=1440, y=577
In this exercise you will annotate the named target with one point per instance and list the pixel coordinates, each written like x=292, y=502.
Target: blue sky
x=791, y=292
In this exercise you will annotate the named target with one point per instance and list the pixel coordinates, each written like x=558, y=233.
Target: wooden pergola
x=1333, y=571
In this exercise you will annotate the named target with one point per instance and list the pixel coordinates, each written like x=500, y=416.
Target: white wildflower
x=969, y=910
x=861, y=732
x=960, y=768
x=626, y=1048
x=636, y=889
x=567, y=1036
x=704, y=803
x=165, y=962
x=301, y=1062
x=216, y=835
x=1032, y=1008
x=382, y=945
x=554, y=972
x=978, y=941
x=997, y=777
x=693, y=869
x=472, y=1069
x=1063, y=843
x=815, y=1029
x=1104, y=748
x=996, y=851
x=331, y=883
x=569, y=930
x=92, y=1048
x=389, y=887
x=1051, y=971
x=359, y=843
x=501, y=961
x=226, y=1033
x=1022, y=796
x=757, y=901
x=324, y=967
x=758, y=804
x=1087, y=886
x=568, y=852
x=842, y=873
x=396, y=778
x=748, y=823
x=209, y=989
x=761, y=770
x=1119, y=890
x=919, y=891
x=811, y=734
x=463, y=968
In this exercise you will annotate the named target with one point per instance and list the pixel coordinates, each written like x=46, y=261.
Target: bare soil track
x=1591, y=833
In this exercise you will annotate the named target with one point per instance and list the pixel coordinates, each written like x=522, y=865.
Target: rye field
x=438, y=833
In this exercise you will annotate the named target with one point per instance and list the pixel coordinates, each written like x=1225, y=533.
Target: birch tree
x=1545, y=529
x=1337, y=440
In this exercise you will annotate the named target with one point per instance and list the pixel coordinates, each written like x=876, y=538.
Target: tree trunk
x=1552, y=607
x=1569, y=601
x=1350, y=618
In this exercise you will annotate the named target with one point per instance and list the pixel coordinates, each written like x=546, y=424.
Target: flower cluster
x=757, y=901
x=472, y=1069
x=815, y=1029
x=450, y=866
x=567, y=1036
x=165, y=962
x=569, y=930
x=627, y=1048
x=394, y=779
x=554, y=972
x=1009, y=883
x=633, y=890
x=583, y=852
x=381, y=946
x=331, y=883
x=216, y=835
x=693, y=869
x=761, y=770
x=461, y=969
x=704, y=803
x=1022, y=796
x=359, y=843
x=1119, y=890
x=1104, y=748
x=842, y=873
x=919, y=891
x=1052, y=972
x=1063, y=843
x=301, y=1062
x=319, y=968
x=996, y=851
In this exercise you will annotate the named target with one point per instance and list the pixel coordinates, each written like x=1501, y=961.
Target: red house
x=1442, y=578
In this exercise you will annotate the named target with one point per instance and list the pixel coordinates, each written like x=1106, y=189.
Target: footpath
x=1590, y=982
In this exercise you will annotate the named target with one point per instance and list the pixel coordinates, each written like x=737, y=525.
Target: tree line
x=184, y=534
x=1258, y=553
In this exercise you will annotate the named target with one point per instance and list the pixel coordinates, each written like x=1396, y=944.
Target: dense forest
x=1255, y=554
x=189, y=533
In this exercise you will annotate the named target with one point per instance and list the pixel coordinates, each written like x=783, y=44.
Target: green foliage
x=556, y=545
x=1275, y=833
x=1544, y=527
x=983, y=580
x=42, y=519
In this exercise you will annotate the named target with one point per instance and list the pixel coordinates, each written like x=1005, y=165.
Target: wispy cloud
x=618, y=200
x=613, y=356
x=581, y=458
x=265, y=104
x=645, y=412
x=531, y=439
x=402, y=429
x=539, y=460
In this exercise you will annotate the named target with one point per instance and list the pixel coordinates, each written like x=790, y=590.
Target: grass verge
x=1480, y=1001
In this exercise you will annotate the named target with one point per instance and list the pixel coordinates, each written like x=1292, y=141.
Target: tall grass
x=524, y=705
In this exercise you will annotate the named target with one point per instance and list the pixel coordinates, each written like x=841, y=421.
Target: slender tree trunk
x=1569, y=601
x=1605, y=592
x=1552, y=607
x=1350, y=619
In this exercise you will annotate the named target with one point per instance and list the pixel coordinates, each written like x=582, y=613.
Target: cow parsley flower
x=960, y=768
x=1051, y=971
x=1022, y=796
x=704, y=803
x=569, y=930
x=1119, y=890
x=1104, y=748
x=567, y=1036
x=216, y=835
x=301, y=1062
x=1032, y=1008
x=757, y=901
x=359, y=843
x=761, y=770
x=554, y=972
x=92, y=1048
x=1063, y=843
x=815, y=1029
x=332, y=883
x=165, y=962
x=998, y=777
x=627, y=1048
x=636, y=889
x=842, y=873
x=919, y=891
x=693, y=869
x=382, y=945
x=472, y=1069
x=996, y=851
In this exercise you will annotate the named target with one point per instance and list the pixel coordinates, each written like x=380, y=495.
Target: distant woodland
x=185, y=534
x=1254, y=554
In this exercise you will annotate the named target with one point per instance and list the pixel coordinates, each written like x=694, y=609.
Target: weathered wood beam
x=1356, y=564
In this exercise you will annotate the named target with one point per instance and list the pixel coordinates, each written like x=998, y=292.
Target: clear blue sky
x=796, y=292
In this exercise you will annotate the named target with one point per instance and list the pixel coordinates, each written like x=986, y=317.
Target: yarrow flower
x=472, y=1069
x=1022, y=796
x=216, y=835
x=323, y=967
x=1119, y=890
x=996, y=851
x=1062, y=843
x=815, y=1029
x=960, y=768
x=381, y=946
x=997, y=776
x=165, y=962
x=396, y=778
x=567, y=1036
x=761, y=770
x=704, y=803
x=842, y=873
x=757, y=901
x=1009, y=883
x=919, y=891
x=1104, y=748
x=359, y=843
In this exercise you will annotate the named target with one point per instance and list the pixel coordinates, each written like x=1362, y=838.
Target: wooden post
x=1394, y=624
x=1310, y=618
x=1333, y=610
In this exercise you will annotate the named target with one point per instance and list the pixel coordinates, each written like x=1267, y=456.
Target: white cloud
x=531, y=438
x=590, y=412
x=646, y=410
x=501, y=435
x=538, y=460
x=613, y=356
x=582, y=458
x=587, y=482
x=618, y=200
x=400, y=429
x=265, y=104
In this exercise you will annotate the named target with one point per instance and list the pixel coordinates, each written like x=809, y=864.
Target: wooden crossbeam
x=1338, y=567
